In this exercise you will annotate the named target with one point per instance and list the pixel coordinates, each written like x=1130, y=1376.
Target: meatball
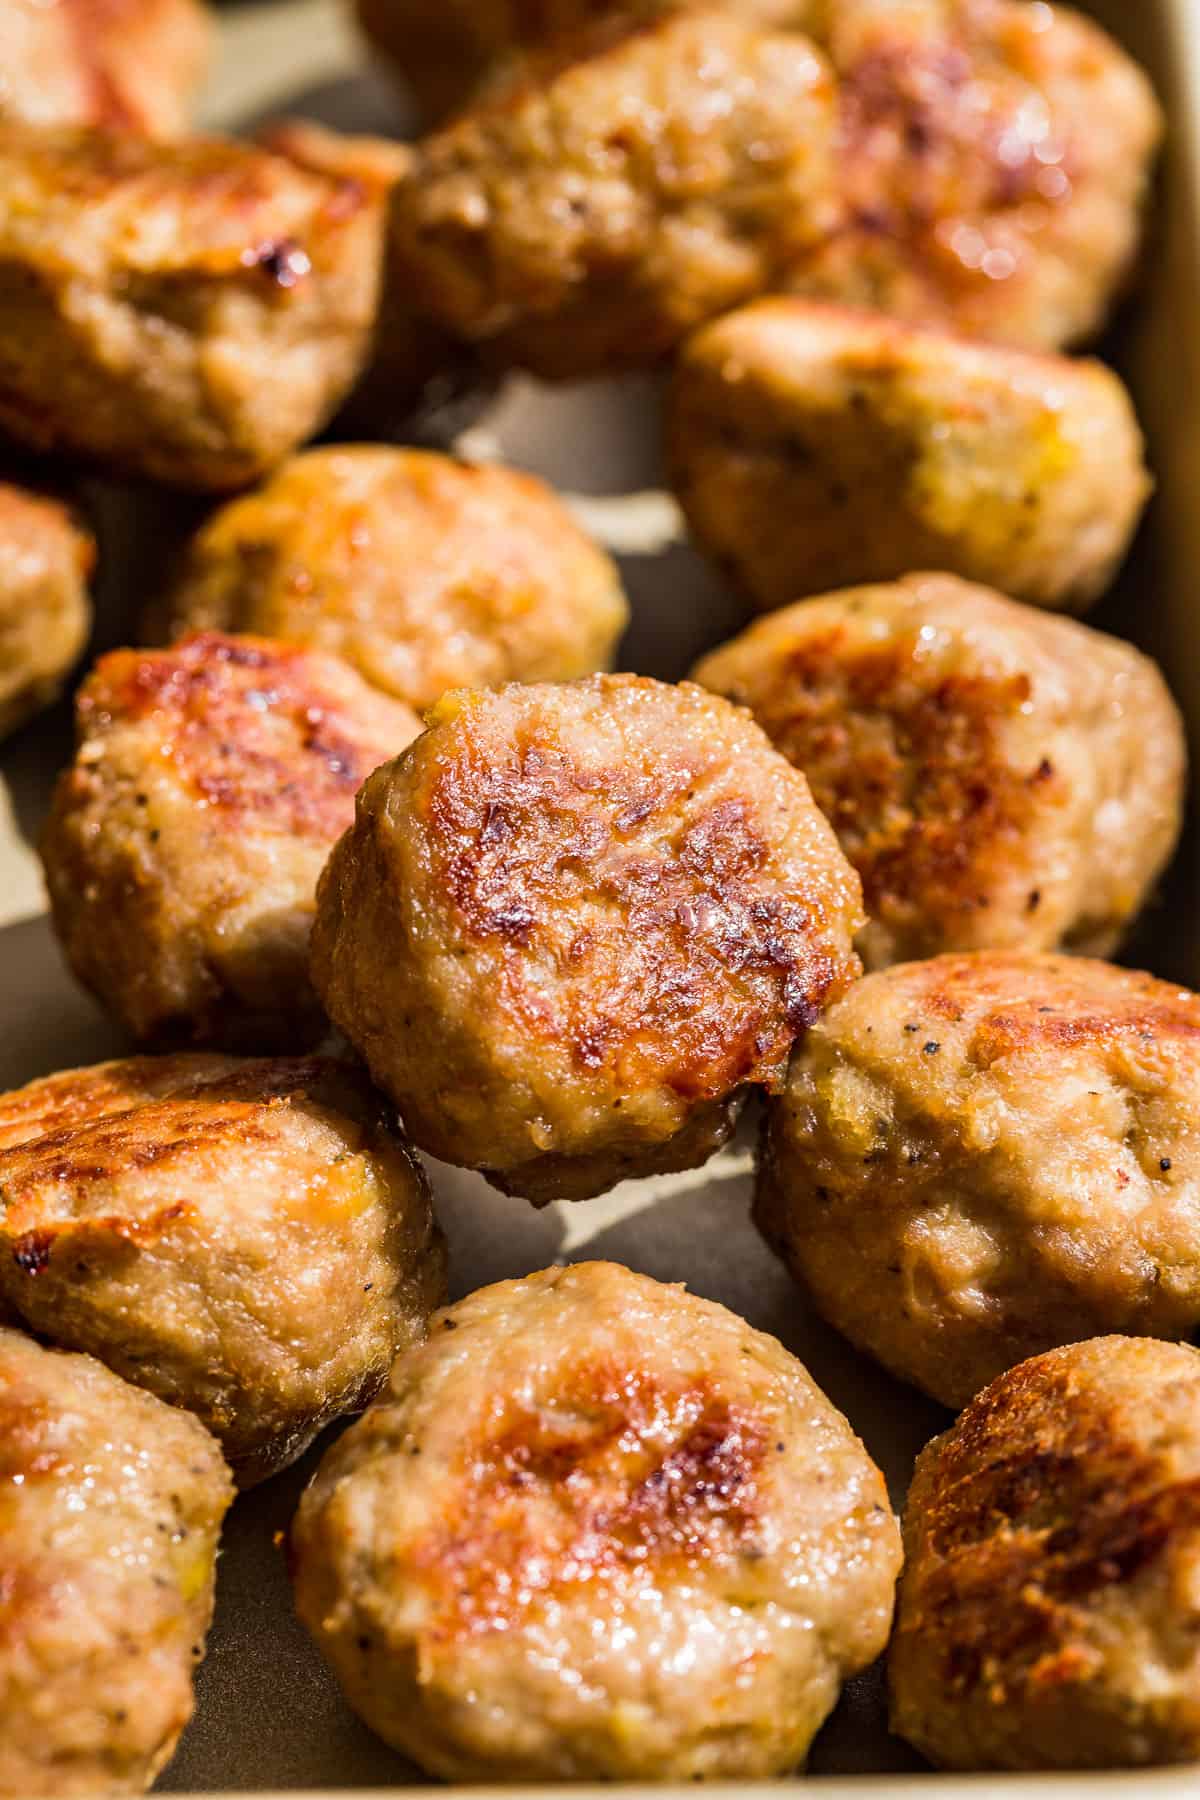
x=241, y=1238
x=133, y=64
x=624, y=187
x=993, y=157
x=573, y=926
x=993, y=161
x=184, y=843
x=985, y=1155
x=1049, y=1613
x=424, y=572
x=999, y=777
x=791, y=424
x=445, y=48
x=46, y=558
x=108, y=1540
x=597, y=1528
x=416, y=374
x=186, y=312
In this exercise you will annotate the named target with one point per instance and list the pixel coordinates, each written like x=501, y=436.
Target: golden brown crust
x=242, y=1238
x=971, y=186
x=270, y=735
x=188, y=311
x=578, y=1475
x=574, y=922
x=184, y=843
x=993, y=163
x=1046, y=1616
x=415, y=370
x=108, y=1538
x=997, y=776
x=425, y=572
x=978, y=1157
x=127, y=64
x=536, y=226
x=791, y=421
x=87, y=1125
x=46, y=560
x=678, y=1511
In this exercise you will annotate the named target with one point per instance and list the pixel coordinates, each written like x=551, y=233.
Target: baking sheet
x=269, y=1717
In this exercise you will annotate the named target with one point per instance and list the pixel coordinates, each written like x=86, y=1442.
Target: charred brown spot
x=671, y=947
x=1040, y=1502
x=249, y=724
x=926, y=139
x=912, y=776
x=1015, y=1030
x=614, y=1504
x=27, y=1438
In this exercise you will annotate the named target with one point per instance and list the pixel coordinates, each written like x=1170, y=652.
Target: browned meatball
x=416, y=373
x=597, y=1528
x=1049, y=1612
x=242, y=1238
x=108, y=1537
x=46, y=558
x=573, y=926
x=815, y=447
x=188, y=312
x=133, y=64
x=993, y=161
x=184, y=843
x=979, y=1157
x=997, y=776
x=992, y=156
x=424, y=572
x=445, y=48
x=626, y=186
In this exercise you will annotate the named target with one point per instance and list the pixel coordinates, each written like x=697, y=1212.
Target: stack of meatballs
x=380, y=867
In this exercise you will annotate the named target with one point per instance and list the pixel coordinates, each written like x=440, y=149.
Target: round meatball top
x=982, y=1156
x=1049, y=1613
x=597, y=1527
x=425, y=572
x=243, y=1237
x=573, y=923
x=111, y=1507
x=185, y=841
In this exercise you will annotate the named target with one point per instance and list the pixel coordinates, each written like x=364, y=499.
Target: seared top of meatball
x=997, y=774
x=96, y=203
x=946, y=1028
x=993, y=157
x=1050, y=1473
x=273, y=736
x=424, y=571
x=155, y=1125
x=1048, y=1611
x=586, y=1447
x=637, y=874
